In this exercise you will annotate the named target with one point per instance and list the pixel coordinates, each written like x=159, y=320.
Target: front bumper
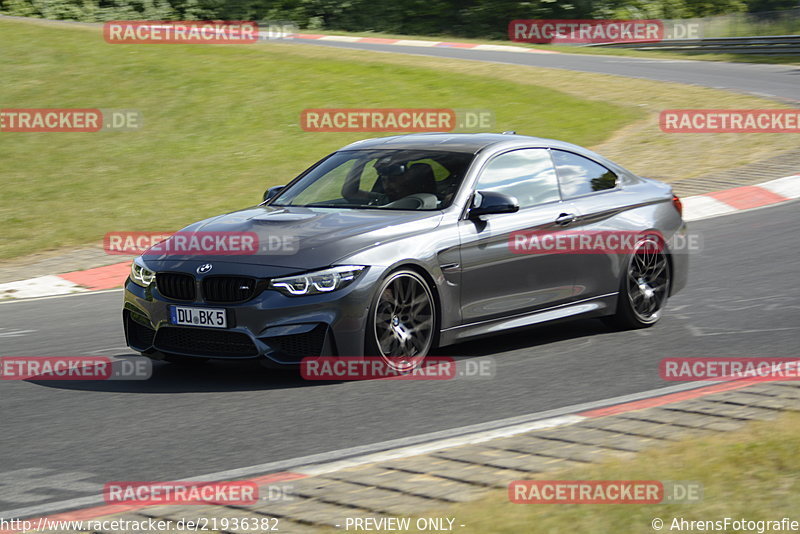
x=277, y=329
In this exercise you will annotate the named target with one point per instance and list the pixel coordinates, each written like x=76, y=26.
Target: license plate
x=190, y=316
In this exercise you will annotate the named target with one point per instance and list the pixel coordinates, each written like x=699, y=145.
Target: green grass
x=642, y=147
x=221, y=124
x=753, y=474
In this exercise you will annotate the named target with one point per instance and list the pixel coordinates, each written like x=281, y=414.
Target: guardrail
x=773, y=45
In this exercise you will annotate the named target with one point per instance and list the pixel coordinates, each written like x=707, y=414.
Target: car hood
x=303, y=238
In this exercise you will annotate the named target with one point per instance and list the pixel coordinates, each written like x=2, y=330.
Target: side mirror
x=273, y=191
x=488, y=202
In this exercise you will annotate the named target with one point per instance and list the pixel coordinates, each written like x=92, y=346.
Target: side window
x=581, y=176
x=526, y=174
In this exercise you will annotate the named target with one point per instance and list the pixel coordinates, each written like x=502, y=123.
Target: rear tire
x=644, y=286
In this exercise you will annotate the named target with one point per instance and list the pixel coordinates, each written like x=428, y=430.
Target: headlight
x=141, y=275
x=317, y=282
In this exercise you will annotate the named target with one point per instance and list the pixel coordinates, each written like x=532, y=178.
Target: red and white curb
x=88, y=508
x=99, y=278
x=741, y=198
x=417, y=43
x=694, y=208
x=38, y=287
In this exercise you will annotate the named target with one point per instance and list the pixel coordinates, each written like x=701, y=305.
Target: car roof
x=455, y=142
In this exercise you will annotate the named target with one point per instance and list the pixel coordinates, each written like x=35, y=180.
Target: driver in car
x=398, y=182
x=410, y=182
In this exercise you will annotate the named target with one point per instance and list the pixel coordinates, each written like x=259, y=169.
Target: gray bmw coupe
x=391, y=247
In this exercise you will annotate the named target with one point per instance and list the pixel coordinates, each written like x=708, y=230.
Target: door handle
x=565, y=219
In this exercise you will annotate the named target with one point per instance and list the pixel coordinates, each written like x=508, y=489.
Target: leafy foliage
x=467, y=18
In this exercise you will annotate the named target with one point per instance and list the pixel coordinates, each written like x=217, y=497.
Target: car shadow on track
x=526, y=339
x=230, y=376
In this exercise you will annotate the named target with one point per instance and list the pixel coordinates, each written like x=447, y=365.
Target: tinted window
x=528, y=175
x=581, y=176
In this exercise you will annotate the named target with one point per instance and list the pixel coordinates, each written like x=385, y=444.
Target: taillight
x=678, y=204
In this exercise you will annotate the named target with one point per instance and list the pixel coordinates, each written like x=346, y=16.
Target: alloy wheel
x=404, y=321
x=648, y=280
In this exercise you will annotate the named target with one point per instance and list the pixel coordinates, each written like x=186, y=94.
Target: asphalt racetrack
x=771, y=81
x=64, y=440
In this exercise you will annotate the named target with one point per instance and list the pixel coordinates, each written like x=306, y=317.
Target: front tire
x=402, y=321
x=644, y=287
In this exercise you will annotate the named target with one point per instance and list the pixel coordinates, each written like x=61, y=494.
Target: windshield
x=380, y=179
